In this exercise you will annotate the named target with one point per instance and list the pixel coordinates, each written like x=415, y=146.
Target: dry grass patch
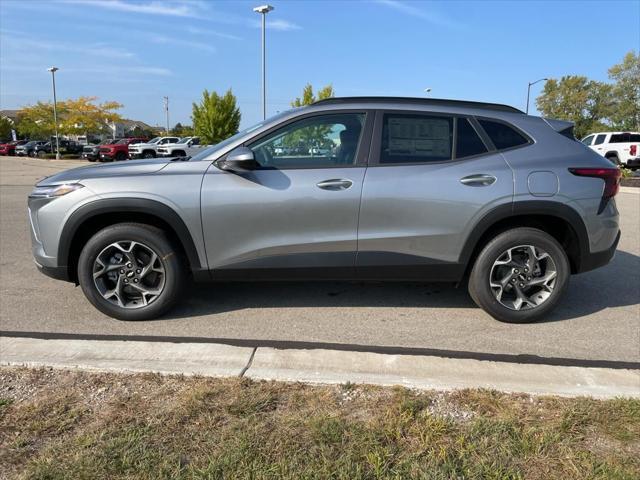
x=69, y=424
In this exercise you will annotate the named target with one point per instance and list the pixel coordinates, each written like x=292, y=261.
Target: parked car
x=28, y=149
x=185, y=147
x=67, y=147
x=91, y=152
x=118, y=150
x=150, y=149
x=418, y=189
x=622, y=148
x=9, y=148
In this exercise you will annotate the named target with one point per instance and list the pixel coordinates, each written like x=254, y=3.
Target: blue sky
x=135, y=52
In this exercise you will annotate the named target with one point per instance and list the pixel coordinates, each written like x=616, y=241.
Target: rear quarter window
x=503, y=136
x=468, y=142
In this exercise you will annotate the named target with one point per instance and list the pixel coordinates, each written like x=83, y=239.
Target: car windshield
x=123, y=141
x=213, y=148
x=154, y=140
x=184, y=140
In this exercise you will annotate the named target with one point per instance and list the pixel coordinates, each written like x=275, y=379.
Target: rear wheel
x=131, y=271
x=520, y=276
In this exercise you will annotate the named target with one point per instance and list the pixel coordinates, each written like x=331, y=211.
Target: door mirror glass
x=240, y=159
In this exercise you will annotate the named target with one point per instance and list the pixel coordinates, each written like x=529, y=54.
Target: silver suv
x=347, y=188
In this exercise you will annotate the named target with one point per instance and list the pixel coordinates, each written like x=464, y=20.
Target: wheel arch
x=96, y=215
x=559, y=220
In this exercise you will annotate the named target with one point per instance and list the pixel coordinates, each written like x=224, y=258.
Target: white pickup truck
x=622, y=148
x=150, y=149
x=186, y=147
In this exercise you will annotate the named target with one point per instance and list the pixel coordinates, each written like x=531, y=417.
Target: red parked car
x=118, y=150
x=9, y=148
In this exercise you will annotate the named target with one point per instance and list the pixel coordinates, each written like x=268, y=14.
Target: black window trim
x=361, y=156
x=376, y=140
x=529, y=140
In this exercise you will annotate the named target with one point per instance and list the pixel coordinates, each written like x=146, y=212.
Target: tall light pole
x=53, y=71
x=529, y=91
x=166, y=111
x=427, y=90
x=264, y=9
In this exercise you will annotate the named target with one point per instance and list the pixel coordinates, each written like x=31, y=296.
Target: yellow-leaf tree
x=80, y=116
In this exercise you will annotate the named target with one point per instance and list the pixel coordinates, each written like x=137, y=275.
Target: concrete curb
x=635, y=190
x=170, y=358
x=427, y=372
x=319, y=366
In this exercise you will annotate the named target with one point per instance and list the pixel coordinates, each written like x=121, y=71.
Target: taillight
x=633, y=149
x=611, y=177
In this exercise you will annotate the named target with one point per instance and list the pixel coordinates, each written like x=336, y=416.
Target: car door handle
x=335, y=184
x=480, y=180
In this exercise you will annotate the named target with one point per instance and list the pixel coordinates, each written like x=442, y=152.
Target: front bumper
x=57, y=273
x=90, y=155
x=135, y=155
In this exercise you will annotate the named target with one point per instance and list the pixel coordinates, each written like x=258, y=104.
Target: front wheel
x=131, y=271
x=148, y=155
x=520, y=276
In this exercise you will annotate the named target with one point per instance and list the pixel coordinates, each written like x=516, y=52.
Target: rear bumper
x=599, y=259
x=633, y=162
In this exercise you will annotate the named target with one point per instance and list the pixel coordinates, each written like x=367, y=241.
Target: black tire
x=155, y=239
x=479, y=280
x=120, y=156
x=148, y=154
x=179, y=153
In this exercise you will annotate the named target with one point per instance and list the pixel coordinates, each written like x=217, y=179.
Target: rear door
x=296, y=214
x=431, y=176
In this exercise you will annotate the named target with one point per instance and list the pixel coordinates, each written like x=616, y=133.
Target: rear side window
x=600, y=139
x=416, y=139
x=502, y=136
x=624, y=137
x=468, y=142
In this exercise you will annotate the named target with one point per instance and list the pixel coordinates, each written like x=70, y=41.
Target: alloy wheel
x=523, y=277
x=129, y=274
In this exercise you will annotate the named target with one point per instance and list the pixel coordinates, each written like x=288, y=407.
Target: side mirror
x=239, y=159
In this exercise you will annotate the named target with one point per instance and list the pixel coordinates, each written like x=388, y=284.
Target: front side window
x=315, y=142
x=503, y=136
x=468, y=141
x=409, y=138
x=587, y=140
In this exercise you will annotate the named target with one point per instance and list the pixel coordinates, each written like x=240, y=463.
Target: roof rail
x=421, y=101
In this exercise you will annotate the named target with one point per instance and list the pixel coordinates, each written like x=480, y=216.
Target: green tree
x=585, y=102
x=312, y=136
x=216, y=117
x=308, y=97
x=626, y=93
x=6, y=126
x=180, y=130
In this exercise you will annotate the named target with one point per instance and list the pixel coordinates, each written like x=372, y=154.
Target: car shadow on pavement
x=615, y=285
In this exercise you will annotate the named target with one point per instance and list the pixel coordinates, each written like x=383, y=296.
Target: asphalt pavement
x=599, y=318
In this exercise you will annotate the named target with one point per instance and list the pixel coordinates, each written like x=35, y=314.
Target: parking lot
x=599, y=319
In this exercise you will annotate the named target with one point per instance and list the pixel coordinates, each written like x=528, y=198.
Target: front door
x=297, y=213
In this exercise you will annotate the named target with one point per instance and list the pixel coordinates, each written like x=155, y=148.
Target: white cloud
x=155, y=7
x=213, y=33
x=164, y=40
x=430, y=15
x=282, y=25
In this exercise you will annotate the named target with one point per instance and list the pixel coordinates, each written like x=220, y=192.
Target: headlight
x=55, y=190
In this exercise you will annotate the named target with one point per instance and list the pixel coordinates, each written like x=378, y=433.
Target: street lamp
x=529, y=91
x=53, y=71
x=263, y=9
x=427, y=90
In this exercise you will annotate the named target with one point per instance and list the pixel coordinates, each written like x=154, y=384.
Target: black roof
x=442, y=102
